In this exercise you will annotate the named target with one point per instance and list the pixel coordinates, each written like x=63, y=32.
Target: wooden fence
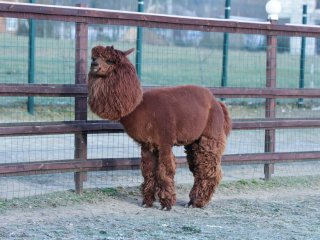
x=81, y=127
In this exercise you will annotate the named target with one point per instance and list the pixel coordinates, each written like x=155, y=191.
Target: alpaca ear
x=126, y=53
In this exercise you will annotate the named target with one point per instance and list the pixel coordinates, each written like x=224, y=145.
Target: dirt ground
x=244, y=207
x=283, y=208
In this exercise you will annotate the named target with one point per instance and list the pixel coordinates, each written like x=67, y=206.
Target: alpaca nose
x=94, y=64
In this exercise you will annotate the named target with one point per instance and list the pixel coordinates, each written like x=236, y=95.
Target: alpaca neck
x=114, y=97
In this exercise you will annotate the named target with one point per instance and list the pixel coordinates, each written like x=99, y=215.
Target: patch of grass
x=68, y=198
x=59, y=199
x=276, y=182
x=103, y=232
x=191, y=229
x=162, y=65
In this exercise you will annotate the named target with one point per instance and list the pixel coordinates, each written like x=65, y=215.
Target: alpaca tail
x=227, y=119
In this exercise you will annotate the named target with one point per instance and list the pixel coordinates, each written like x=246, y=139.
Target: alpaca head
x=114, y=88
x=107, y=59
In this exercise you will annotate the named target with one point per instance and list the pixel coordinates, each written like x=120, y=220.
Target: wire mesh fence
x=169, y=58
x=25, y=186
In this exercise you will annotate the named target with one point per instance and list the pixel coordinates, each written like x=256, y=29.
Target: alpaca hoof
x=163, y=208
x=189, y=204
x=147, y=202
x=195, y=204
x=147, y=205
x=198, y=204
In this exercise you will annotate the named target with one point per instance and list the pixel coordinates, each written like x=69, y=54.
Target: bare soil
x=283, y=208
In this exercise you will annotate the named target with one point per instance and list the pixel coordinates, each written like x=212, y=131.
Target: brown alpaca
x=159, y=119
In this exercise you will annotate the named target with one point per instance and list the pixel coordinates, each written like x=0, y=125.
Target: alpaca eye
x=109, y=62
x=93, y=59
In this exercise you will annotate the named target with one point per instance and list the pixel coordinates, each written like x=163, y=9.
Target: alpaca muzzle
x=94, y=67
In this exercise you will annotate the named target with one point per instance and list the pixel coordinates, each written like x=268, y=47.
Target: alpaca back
x=175, y=115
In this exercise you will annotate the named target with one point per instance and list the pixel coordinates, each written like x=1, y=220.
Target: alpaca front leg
x=148, y=164
x=165, y=177
x=207, y=170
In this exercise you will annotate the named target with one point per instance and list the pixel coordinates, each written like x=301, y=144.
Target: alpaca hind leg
x=207, y=170
x=148, y=165
x=190, y=150
x=190, y=157
x=165, y=177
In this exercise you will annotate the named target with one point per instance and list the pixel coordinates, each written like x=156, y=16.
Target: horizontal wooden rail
x=99, y=16
x=265, y=93
x=134, y=163
x=70, y=127
x=66, y=127
x=69, y=165
x=51, y=90
x=272, y=123
x=70, y=90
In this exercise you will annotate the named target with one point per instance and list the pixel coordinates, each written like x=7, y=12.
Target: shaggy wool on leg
x=165, y=177
x=190, y=156
x=204, y=158
x=148, y=164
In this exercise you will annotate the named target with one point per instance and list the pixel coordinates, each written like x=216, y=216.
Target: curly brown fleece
x=159, y=119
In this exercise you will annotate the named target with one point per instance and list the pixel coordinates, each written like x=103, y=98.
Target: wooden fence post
x=80, y=139
x=271, y=76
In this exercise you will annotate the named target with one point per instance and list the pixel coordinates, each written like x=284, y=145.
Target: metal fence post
x=80, y=152
x=139, y=42
x=31, y=60
x=302, y=54
x=224, y=76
